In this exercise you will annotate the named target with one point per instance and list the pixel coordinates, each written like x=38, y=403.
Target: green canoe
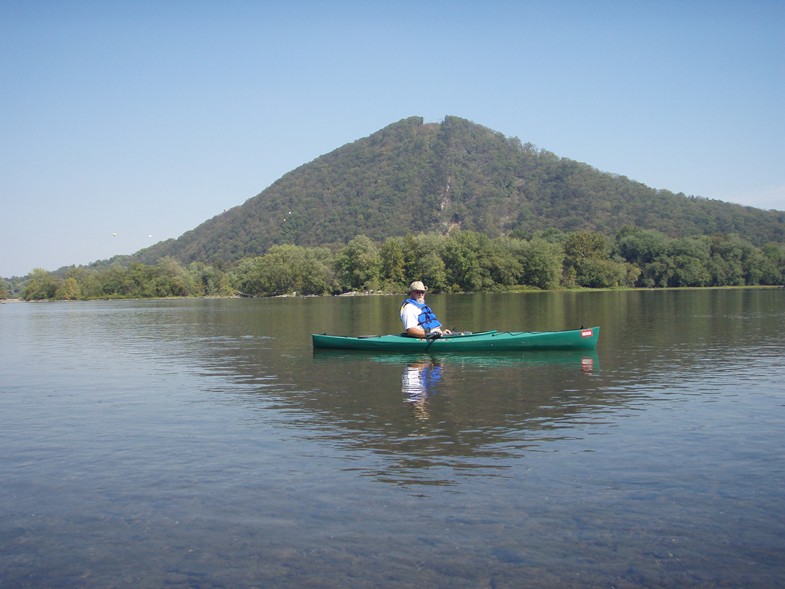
x=485, y=341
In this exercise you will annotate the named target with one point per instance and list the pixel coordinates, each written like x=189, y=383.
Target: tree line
x=459, y=261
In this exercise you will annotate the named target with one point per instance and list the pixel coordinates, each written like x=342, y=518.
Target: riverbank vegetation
x=460, y=261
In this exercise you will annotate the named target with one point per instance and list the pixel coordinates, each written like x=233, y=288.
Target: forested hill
x=412, y=177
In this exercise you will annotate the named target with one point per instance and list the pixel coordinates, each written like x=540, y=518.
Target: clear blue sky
x=145, y=118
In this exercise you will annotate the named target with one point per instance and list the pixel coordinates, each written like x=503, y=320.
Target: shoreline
x=384, y=294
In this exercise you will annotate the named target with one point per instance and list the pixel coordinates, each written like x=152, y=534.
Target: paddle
x=433, y=337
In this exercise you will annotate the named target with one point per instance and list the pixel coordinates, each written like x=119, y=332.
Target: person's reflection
x=418, y=382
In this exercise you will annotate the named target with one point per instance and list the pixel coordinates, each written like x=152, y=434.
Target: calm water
x=202, y=443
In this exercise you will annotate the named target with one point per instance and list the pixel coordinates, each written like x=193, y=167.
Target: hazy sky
x=126, y=123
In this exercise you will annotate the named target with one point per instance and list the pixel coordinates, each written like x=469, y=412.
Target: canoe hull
x=572, y=339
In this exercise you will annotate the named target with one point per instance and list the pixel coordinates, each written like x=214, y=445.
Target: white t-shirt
x=409, y=315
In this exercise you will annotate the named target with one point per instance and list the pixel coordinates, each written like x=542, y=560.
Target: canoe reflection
x=430, y=419
x=424, y=375
x=586, y=360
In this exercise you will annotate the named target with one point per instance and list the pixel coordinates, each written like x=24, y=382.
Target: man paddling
x=418, y=319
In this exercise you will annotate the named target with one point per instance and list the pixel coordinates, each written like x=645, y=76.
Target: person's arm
x=415, y=331
x=420, y=332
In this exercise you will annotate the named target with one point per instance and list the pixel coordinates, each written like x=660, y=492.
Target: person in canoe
x=418, y=319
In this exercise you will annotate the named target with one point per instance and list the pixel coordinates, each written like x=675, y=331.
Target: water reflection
x=586, y=360
x=433, y=419
x=419, y=380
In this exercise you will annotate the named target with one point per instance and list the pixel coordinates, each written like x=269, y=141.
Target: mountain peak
x=412, y=177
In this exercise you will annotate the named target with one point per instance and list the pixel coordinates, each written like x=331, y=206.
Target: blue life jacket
x=422, y=384
x=427, y=318
x=431, y=375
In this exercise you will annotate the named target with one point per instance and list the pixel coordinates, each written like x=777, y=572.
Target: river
x=203, y=443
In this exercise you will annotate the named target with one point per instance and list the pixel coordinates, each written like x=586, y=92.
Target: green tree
x=286, y=269
x=503, y=261
x=640, y=246
x=41, y=285
x=316, y=274
x=248, y=277
x=90, y=284
x=689, y=261
x=773, y=265
x=424, y=261
x=688, y=271
x=116, y=281
x=275, y=273
x=393, y=256
x=207, y=280
x=728, y=254
x=465, y=254
x=171, y=279
x=141, y=280
x=360, y=264
x=582, y=245
x=601, y=273
x=587, y=261
x=659, y=272
x=71, y=289
x=542, y=263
